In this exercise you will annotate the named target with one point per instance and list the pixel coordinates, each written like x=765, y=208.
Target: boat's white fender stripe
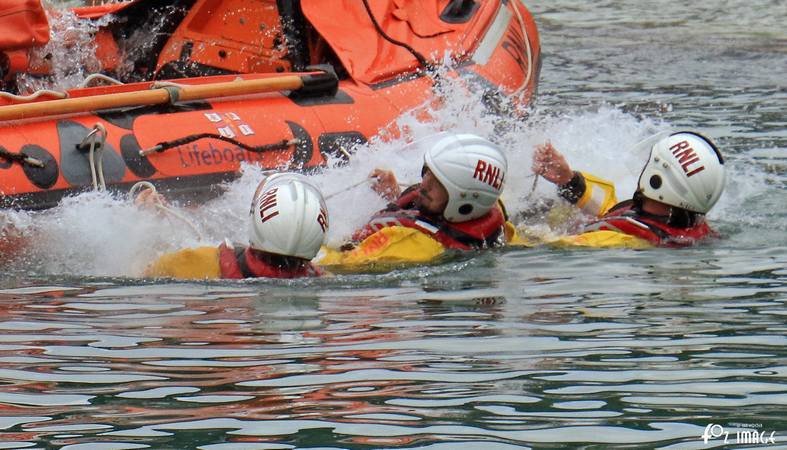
x=492, y=37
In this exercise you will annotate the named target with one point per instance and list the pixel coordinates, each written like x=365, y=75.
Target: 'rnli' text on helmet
x=686, y=157
x=489, y=173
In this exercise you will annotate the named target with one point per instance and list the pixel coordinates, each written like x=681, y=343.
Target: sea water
x=513, y=348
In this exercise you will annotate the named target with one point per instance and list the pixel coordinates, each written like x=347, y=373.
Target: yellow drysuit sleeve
x=601, y=239
x=190, y=263
x=599, y=196
x=390, y=245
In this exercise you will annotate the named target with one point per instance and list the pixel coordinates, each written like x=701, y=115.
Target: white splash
x=103, y=235
x=70, y=53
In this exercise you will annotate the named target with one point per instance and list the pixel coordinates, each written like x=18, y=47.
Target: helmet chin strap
x=675, y=217
x=646, y=205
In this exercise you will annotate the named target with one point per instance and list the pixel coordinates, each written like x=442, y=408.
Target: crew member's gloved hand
x=385, y=184
x=149, y=199
x=551, y=164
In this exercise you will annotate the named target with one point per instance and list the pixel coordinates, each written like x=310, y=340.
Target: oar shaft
x=83, y=104
x=158, y=96
x=245, y=87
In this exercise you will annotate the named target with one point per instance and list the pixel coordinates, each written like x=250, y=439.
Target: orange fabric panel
x=23, y=24
x=366, y=55
x=421, y=17
x=241, y=36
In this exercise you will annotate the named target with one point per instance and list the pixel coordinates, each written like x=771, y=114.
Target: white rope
x=139, y=186
x=33, y=96
x=533, y=187
x=96, y=145
x=101, y=77
x=359, y=183
x=350, y=187
x=158, y=203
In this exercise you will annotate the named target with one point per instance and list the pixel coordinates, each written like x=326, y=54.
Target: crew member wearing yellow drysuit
x=455, y=206
x=680, y=183
x=289, y=222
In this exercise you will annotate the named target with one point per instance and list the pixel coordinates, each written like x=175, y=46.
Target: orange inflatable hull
x=300, y=127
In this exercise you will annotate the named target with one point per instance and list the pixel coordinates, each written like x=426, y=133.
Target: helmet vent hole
x=465, y=209
x=655, y=181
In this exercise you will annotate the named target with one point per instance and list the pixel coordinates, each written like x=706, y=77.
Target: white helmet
x=684, y=170
x=471, y=169
x=288, y=216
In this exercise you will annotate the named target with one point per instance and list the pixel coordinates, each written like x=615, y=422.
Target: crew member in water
x=289, y=222
x=455, y=206
x=682, y=180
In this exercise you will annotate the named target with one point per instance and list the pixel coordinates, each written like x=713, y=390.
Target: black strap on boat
x=20, y=158
x=166, y=145
x=421, y=60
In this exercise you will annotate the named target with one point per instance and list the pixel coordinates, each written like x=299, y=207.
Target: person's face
x=432, y=197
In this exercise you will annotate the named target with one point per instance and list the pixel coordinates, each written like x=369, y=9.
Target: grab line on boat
x=96, y=144
x=34, y=96
x=166, y=145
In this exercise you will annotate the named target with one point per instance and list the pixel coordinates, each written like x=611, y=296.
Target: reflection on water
x=652, y=358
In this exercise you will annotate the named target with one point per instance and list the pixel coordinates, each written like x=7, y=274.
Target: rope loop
x=157, y=201
x=94, y=142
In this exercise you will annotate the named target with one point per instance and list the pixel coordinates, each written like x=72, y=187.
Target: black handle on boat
x=320, y=84
x=20, y=158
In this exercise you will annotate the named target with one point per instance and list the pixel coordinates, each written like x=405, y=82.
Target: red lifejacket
x=624, y=219
x=484, y=232
x=241, y=262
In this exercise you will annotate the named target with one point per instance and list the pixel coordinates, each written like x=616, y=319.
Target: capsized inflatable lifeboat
x=200, y=86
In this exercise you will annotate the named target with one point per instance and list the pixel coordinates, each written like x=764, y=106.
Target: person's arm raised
x=551, y=164
x=593, y=195
x=384, y=183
